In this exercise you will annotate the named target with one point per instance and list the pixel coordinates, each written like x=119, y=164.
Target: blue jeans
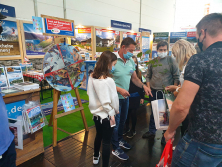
x=120, y=122
x=152, y=127
x=190, y=152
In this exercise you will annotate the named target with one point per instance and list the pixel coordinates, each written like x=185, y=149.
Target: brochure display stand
x=33, y=145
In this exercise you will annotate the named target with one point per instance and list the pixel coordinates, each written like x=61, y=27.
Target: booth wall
x=155, y=15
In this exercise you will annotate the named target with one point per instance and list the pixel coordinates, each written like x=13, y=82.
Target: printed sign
x=175, y=36
x=37, y=24
x=14, y=110
x=191, y=37
x=122, y=25
x=144, y=30
x=54, y=26
x=9, y=44
x=7, y=10
x=135, y=37
x=67, y=102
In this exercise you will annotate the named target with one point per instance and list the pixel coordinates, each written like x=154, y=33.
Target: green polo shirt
x=123, y=72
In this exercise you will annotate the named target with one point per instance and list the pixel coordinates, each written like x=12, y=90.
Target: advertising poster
x=9, y=44
x=191, y=37
x=67, y=102
x=156, y=38
x=36, y=43
x=175, y=36
x=83, y=39
x=37, y=24
x=14, y=75
x=59, y=27
x=116, y=46
x=3, y=79
x=14, y=110
x=104, y=40
x=135, y=36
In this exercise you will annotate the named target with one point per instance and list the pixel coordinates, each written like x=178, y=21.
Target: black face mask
x=200, y=44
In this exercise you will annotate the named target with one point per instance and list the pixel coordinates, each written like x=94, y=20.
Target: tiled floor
x=77, y=150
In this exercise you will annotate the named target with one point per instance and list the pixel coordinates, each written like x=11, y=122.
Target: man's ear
x=123, y=47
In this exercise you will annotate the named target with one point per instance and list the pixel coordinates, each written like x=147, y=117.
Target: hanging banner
x=191, y=37
x=122, y=25
x=36, y=43
x=37, y=24
x=156, y=38
x=7, y=10
x=59, y=27
x=144, y=30
x=9, y=44
x=175, y=36
x=82, y=41
x=135, y=37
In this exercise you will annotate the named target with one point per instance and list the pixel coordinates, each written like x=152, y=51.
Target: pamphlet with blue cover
x=67, y=102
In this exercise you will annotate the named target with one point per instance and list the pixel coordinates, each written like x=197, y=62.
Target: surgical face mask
x=135, y=65
x=200, y=44
x=162, y=54
x=128, y=55
x=113, y=69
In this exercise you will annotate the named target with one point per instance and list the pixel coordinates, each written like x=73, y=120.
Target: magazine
x=35, y=118
x=3, y=79
x=67, y=102
x=16, y=127
x=14, y=75
x=10, y=90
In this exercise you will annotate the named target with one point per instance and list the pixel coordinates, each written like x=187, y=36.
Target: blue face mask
x=113, y=69
x=128, y=55
x=135, y=65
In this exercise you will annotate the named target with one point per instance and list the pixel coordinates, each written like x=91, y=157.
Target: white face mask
x=162, y=54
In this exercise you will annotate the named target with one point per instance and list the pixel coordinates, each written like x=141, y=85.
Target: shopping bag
x=160, y=113
x=166, y=157
x=169, y=100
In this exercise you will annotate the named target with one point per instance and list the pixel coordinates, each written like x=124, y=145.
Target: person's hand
x=124, y=93
x=169, y=135
x=141, y=101
x=147, y=90
x=112, y=121
x=171, y=88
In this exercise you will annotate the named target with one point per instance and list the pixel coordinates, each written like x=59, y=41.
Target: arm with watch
x=139, y=84
x=174, y=89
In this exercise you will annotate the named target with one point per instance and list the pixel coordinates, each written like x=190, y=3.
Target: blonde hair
x=183, y=50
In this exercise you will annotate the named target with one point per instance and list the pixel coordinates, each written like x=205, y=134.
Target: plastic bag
x=166, y=157
x=34, y=117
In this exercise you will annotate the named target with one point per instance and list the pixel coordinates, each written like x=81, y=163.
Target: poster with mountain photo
x=82, y=41
x=36, y=43
x=14, y=75
x=158, y=36
x=9, y=44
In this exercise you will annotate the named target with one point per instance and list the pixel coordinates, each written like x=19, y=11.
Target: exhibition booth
x=45, y=66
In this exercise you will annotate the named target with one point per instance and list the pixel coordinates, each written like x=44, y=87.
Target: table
x=40, y=78
x=33, y=145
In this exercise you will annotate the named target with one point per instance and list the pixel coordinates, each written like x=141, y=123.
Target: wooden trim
x=10, y=58
x=69, y=112
x=21, y=93
x=20, y=40
x=64, y=131
x=93, y=36
x=57, y=18
x=36, y=57
x=59, y=35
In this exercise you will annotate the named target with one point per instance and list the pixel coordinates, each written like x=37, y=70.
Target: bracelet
x=177, y=90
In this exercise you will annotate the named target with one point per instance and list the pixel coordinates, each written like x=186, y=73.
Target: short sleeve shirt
x=205, y=70
x=123, y=72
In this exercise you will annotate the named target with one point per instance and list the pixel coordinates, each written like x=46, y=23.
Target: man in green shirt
x=123, y=73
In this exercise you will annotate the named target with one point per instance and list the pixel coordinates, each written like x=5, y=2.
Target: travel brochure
x=3, y=79
x=16, y=128
x=67, y=102
x=14, y=75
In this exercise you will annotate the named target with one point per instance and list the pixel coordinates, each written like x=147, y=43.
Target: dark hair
x=138, y=72
x=162, y=43
x=102, y=66
x=212, y=23
x=127, y=42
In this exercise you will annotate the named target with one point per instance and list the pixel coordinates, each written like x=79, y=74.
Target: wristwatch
x=177, y=90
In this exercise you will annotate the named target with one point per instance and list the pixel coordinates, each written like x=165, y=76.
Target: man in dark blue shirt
x=201, y=97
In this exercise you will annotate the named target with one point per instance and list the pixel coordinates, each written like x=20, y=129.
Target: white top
x=103, y=97
x=182, y=76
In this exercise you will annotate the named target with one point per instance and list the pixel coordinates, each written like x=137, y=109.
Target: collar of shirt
x=215, y=45
x=118, y=57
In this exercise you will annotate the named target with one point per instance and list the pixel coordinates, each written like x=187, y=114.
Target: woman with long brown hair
x=103, y=104
x=136, y=98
